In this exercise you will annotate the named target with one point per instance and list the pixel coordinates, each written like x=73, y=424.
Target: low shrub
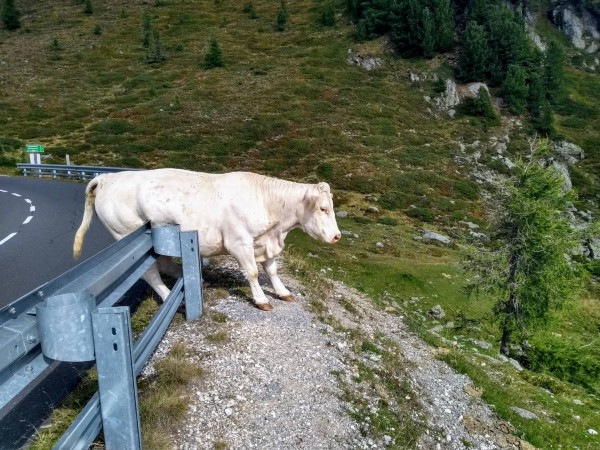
x=423, y=214
x=578, y=364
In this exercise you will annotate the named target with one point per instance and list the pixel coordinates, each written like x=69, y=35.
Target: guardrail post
x=116, y=378
x=192, y=274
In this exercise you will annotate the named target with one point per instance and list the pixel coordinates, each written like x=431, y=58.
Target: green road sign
x=34, y=148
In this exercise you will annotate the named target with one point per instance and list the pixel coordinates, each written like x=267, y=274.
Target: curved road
x=38, y=221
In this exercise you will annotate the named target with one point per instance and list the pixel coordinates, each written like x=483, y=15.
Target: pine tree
x=508, y=41
x=406, y=19
x=537, y=94
x=88, y=7
x=282, y=17
x=11, y=17
x=443, y=19
x=154, y=53
x=474, y=57
x=525, y=268
x=214, y=57
x=146, y=30
x=555, y=72
x=328, y=15
x=515, y=90
x=427, y=40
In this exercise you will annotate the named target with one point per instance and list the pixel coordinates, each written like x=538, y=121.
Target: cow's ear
x=323, y=187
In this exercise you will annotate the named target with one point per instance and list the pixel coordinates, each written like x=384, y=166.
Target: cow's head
x=319, y=219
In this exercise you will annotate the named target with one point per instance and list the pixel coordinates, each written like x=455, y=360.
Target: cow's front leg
x=245, y=257
x=167, y=266
x=270, y=266
x=152, y=277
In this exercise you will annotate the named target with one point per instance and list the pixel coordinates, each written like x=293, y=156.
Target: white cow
x=239, y=213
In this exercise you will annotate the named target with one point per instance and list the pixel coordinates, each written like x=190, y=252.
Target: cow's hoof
x=264, y=306
x=287, y=298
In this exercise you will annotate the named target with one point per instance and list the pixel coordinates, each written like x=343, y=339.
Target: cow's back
x=213, y=204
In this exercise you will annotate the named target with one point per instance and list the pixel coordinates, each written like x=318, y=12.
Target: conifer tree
x=88, y=8
x=282, y=17
x=443, y=19
x=328, y=15
x=154, y=53
x=555, y=72
x=474, y=57
x=515, y=89
x=427, y=39
x=146, y=30
x=214, y=57
x=537, y=94
x=525, y=268
x=11, y=17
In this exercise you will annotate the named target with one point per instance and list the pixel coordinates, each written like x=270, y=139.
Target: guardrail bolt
x=31, y=338
x=12, y=310
x=40, y=293
x=28, y=368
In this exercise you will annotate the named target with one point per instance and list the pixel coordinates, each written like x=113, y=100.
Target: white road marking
x=26, y=221
x=7, y=238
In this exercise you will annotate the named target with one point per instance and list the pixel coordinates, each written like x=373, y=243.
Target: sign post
x=34, y=151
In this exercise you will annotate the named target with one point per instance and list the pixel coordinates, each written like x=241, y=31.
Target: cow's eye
x=325, y=210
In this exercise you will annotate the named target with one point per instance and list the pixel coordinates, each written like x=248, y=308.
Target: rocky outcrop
x=452, y=96
x=581, y=27
x=365, y=61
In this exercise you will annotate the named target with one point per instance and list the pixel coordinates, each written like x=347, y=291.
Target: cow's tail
x=88, y=213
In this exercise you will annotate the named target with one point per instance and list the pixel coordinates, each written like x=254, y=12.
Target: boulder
x=432, y=236
x=437, y=312
x=524, y=413
x=567, y=151
x=578, y=25
x=365, y=61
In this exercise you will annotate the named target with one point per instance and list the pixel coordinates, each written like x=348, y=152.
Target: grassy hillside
x=288, y=104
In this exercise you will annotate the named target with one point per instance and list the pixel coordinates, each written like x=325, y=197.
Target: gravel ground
x=276, y=380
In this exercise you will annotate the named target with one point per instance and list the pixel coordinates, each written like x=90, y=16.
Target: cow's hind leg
x=167, y=266
x=270, y=266
x=152, y=277
x=245, y=257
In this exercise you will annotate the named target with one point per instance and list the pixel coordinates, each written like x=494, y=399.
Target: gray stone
x=515, y=364
x=380, y=245
x=579, y=26
x=524, y=413
x=481, y=344
x=592, y=432
x=372, y=209
x=436, y=329
x=432, y=236
x=437, y=312
x=568, y=152
x=564, y=172
x=365, y=61
x=341, y=214
x=470, y=225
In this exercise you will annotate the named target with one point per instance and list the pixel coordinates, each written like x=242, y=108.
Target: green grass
x=413, y=277
x=288, y=104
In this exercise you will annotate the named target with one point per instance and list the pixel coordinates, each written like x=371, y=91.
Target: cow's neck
x=286, y=203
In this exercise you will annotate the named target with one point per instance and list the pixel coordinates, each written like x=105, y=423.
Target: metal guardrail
x=73, y=318
x=60, y=171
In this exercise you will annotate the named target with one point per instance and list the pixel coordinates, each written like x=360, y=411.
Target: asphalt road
x=38, y=221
